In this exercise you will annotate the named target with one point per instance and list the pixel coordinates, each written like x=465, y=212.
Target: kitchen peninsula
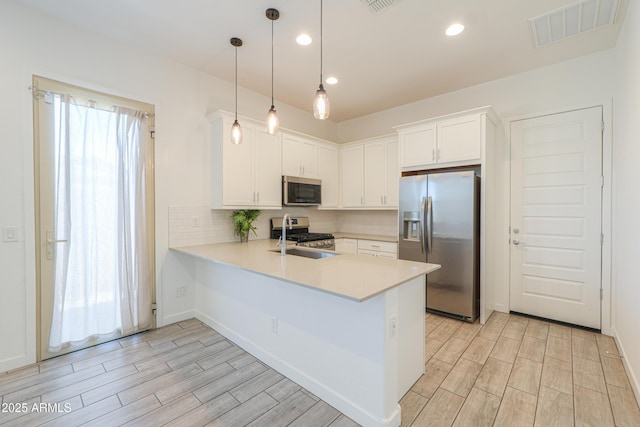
x=348, y=328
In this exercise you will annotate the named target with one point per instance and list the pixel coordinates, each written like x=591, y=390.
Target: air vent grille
x=378, y=5
x=576, y=18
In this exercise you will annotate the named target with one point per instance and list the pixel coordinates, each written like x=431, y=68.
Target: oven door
x=298, y=191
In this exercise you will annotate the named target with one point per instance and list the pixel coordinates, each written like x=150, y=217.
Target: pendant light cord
x=320, y=42
x=236, y=83
x=271, y=63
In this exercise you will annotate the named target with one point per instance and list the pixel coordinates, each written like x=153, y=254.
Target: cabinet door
x=299, y=157
x=459, y=139
x=418, y=145
x=292, y=155
x=309, y=159
x=238, y=167
x=347, y=246
x=392, y=175
x=374, y=174
x=268, y=181
x=328, y=174
x=353, y=176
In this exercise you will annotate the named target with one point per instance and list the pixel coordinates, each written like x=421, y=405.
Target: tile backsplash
x=200, y=225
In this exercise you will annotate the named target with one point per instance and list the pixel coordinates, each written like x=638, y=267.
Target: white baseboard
x=178, y=317
x=15, y=362
x=633, y=378
x=330, y=396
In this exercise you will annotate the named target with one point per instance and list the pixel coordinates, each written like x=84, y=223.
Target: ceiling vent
x=572, y=20
x=378, y=5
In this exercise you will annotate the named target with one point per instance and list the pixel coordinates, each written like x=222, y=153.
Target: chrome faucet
x=283, y=245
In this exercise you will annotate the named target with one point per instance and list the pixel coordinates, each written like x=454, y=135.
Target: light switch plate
x=9, y=234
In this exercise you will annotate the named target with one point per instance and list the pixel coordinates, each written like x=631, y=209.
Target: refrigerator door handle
x=421, y=231
x=429, y=225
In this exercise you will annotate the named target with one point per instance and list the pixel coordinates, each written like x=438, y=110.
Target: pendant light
x=273, y=121
x=321, y=106
x=236, y=130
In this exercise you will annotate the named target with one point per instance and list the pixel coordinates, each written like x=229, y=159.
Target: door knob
x=516, y=242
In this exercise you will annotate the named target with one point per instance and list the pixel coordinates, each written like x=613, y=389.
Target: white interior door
x=556, y=201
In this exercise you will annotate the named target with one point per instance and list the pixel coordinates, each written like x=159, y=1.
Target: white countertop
x=355, y=277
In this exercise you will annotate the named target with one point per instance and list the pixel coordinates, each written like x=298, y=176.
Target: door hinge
x=154, y=308
x=602, y=126
x=601, y=294
x=602, y=181
x=153, y=133
x=601, y=238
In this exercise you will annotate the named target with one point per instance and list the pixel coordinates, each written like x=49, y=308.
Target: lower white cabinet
x=377, y=248
x=347, y=246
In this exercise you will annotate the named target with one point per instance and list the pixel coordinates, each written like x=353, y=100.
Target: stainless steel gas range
x=299, y=233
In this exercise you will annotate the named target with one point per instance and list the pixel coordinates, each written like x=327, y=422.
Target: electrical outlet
x=393, y=326
x=274, y=325
x=181, y=291
x=9, y=234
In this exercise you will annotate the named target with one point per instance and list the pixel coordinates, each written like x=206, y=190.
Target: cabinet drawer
x=374, y=245
x=366, y=252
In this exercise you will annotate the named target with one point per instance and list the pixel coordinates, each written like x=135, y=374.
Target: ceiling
x=382, y=59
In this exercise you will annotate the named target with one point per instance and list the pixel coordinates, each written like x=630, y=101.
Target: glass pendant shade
x=273, y=121
x=321, y=106
x=236, y=133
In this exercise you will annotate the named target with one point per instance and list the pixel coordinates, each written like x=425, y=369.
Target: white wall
x=36, y=44
x=626, y=205
x=581, y=80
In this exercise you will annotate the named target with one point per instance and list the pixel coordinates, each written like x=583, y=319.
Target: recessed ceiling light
x=303, y=39
x=454, y=29
x=331, y=80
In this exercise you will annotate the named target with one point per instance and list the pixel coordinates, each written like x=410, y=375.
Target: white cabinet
x=459, y=139
x=328, y=174
x=299, y=156
x=381, y=174
x=449, y=141
x=417, y=145
x=377, y=248
x=370, y=174
x=248, y=174
x=347, y=246
x=352, y=176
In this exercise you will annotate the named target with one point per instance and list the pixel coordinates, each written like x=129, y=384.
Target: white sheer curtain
x=103, y=272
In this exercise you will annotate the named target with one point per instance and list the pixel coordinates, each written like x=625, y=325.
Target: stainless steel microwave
x=297, y=191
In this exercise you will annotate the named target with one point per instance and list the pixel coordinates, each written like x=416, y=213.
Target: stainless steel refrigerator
x=439, y=223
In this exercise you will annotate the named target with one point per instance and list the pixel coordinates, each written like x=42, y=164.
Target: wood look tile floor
x=516, y=371
x=512, y=371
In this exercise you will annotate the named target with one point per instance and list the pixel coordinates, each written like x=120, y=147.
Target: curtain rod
x=39, y=94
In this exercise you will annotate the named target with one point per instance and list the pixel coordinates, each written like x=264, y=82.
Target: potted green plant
x=243, y=222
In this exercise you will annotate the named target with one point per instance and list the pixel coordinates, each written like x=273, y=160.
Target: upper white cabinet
x=299, y=156
x=248, y=174
x=328, y=174
x=381, y=174
x=454, y=140
x=352, y=176
x=370, y=174
x=417, y=145
x=459, y=139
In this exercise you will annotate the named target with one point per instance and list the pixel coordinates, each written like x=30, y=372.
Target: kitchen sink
x=307, y=253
